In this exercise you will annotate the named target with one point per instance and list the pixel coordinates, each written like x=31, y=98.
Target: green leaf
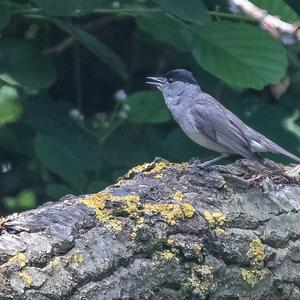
x=4, y=14
x=24, y=200
x=165, y=29
x=147, y=107
x=57, y=157
x=24, y=65
x=68, y=7
x=95, y=46
x=240, y=54
x=10, y=106
x=278, y=8
x=53, y=120
x=192, y=10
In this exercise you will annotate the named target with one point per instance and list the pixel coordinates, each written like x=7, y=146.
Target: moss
x=171, y=212
x=56, y=261
x=20, y=258
x=27, y=278
x=167, y=255
x=253, y=275
x=178, y=196
x=256, y=251
x=216, y=220
x=78, y=258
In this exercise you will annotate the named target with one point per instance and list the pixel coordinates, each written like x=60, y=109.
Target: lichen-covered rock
x=164, y=231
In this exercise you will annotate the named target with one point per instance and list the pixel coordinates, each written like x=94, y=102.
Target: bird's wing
x=213, y=120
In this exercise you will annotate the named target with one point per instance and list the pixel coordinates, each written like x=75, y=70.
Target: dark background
x=75, y=112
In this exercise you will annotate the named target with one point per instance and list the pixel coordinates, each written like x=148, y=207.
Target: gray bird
x=207, y=122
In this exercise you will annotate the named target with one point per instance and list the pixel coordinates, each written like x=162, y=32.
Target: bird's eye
x=170, y=80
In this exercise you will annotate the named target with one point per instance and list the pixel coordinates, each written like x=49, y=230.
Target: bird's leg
x=212, y=161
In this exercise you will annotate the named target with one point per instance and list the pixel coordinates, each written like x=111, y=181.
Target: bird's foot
x=204, y=165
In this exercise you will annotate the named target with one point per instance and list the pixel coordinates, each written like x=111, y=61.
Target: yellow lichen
x=219, y=230
x=157, y=167
x=198, y=247
x=183, y=165
x=120, y=182
x=139, y=223
x=56, y=261
x=178, y=196
x=138, y=169
x=257, y=255
x=147, y=168
x=256, y=252
x=201, y=279
x=20, y=258
x=170, y=242
x=253, y=275
x=98, y=202
x=158, y=176
x=216, y=220
x=132, y=206
x=2, y=220
x=78, y=258
x=167, y=255
x=27, y=278
x=171, y=212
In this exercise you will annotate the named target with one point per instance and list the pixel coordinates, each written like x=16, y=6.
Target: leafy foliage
x=242, y=55
x=74, y=110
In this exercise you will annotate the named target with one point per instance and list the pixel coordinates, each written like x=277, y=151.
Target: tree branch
x=273, y=24
x=169, y=230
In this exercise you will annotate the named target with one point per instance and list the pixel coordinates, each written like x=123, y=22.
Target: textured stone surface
x=165, y=231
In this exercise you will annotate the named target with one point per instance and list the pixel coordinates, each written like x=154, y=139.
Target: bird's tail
x=288, y=154
x=274, y=148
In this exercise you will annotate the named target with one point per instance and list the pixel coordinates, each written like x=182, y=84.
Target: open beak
x=157, y=81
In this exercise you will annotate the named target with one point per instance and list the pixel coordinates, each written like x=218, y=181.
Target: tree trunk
x=164, y=231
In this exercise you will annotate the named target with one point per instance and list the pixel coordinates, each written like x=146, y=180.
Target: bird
x=209, y=123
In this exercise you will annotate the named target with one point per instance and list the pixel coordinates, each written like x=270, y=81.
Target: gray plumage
x=207, y=122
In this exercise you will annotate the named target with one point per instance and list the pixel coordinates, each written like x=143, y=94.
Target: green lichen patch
x=167, y=255
x=200, y=279
x=256, y=252
x=253, y=275
x=215, y=220
x=131, y=206
x=171, y=212
x=98, y=202
x=257, y=255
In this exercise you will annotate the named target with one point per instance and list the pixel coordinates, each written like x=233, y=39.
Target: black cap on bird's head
x=172, y=76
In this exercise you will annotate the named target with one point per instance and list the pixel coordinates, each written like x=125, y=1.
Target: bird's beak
x=157, y=81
